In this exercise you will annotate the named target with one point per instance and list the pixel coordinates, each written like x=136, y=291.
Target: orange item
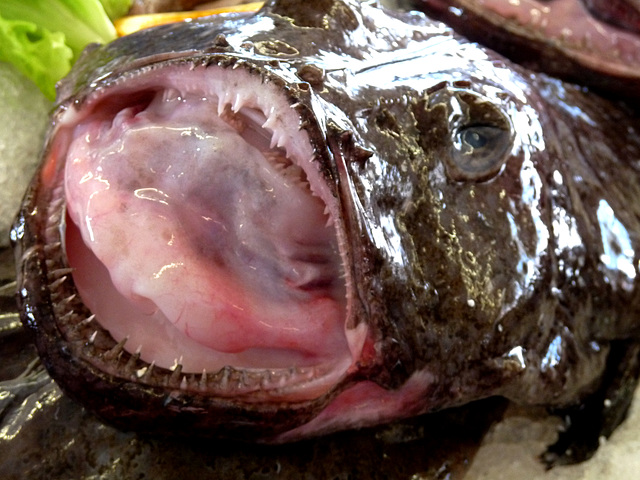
x=133, y=23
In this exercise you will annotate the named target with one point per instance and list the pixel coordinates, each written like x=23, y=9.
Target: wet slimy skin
x=279, y=225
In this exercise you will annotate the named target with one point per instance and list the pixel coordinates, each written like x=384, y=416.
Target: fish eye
x=466, y=131
x=476, y=137
x=478, y=152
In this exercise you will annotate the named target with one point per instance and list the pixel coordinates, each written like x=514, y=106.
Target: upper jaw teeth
x=294, y=383
x=278, y=115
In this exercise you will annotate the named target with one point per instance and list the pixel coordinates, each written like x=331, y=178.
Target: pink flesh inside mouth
x=200, y=230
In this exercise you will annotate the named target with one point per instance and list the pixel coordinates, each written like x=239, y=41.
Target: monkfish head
x=274, y=225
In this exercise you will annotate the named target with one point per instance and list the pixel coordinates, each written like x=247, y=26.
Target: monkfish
x=327, y=216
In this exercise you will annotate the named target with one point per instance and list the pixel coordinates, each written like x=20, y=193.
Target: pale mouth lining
x=270, y=123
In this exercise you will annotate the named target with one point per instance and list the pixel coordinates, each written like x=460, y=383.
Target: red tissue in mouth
x=196, y=233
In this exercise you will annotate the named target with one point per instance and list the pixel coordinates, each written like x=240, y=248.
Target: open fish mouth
x=193, y=239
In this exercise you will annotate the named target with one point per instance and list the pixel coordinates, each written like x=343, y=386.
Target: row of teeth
x=235, y=102
x=279, y=140
x=82, y=330
x=116, y=360
x=95, y=344
x=273, y=119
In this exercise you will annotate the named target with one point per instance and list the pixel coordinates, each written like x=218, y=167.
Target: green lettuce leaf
x=43, y=38
x=39, y=54
x=116, y=8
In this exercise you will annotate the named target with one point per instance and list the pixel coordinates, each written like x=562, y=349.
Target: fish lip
x=48, y=291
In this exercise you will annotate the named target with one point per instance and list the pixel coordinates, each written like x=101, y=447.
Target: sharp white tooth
x=183, y=383
x=203, y=380
x=221, y=106
x=270, y=123
x=55, y=285
x=147, y=373
x=275, y=138
x=177, y=362
x=223, y=101
x=144, y=374
x=93, y=336
x=116, y=350
x=129, y=367
x=54, y=219
x=69, y=299
x=88, y=320
x=176, y=374
x=55, y=203
x=224, y=381
x=237, y=103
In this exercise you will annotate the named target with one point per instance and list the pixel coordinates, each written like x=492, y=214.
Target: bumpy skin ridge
x=494, y=286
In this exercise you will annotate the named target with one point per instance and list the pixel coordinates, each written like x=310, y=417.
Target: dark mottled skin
x=496, y=285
